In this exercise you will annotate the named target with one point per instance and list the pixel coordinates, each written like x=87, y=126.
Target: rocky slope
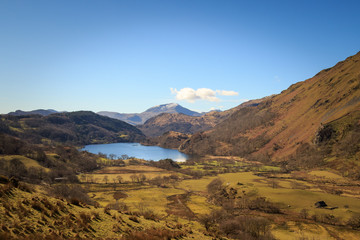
x=292, y=122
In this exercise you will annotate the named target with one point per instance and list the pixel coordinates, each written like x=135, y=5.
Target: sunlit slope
x=305, y=106
x=281, y=124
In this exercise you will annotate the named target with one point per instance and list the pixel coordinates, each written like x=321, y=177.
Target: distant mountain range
x=79, y=128
x=43, y=112
x=131, y=118
x=140, y=118
x=188, y=124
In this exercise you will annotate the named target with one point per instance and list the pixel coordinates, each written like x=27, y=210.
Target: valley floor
x=200, y=200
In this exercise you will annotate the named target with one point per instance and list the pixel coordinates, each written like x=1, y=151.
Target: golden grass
x=152, y=198
x=295, y=231
x=112, y=174
x=28, y=162
x=86, y=222
x=285, y=195
x=326, y=174
x=199, y=205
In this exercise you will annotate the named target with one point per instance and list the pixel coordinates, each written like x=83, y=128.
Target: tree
x=17, y=168
x=103, y=155
x=119, y=178
x=134, y=178
x=124, y=157
x=105, y=179
x=83, y=178
x=142, y=178
x=215, y=186
x=304, y=213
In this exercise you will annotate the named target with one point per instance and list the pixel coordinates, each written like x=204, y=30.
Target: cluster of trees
x=72, y=192
x=232, y=219
x=167, y=164
x=11, y=145
x=64, y=163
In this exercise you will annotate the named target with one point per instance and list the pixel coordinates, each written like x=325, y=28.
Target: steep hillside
x=292, y=120
x=71, y=128
x=140, y=118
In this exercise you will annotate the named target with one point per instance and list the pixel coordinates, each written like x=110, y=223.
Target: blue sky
x=127, y=56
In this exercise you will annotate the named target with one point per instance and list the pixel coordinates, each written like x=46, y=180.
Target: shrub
x=261, y=204
x=47, y=204
x=86, y=218
x=304, y=213
x=119, y=206
x=354, y=221
x=118, y=195
x=150, y=215
x=246, y=227
x=134, y=219
x=26, y=187
x=107, y=211
x=37, y=206
x=154, y=234
x=6, y=190
x=326, y=218
x=74, y=193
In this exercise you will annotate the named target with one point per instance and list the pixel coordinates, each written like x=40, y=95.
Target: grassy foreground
x=213, y=198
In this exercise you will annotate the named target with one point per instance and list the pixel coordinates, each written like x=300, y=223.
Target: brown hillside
x=165, y=122
x=279, y=125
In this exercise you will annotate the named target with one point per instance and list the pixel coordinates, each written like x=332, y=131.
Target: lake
x=137, y=150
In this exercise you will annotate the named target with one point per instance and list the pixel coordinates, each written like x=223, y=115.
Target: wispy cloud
x=207, y=94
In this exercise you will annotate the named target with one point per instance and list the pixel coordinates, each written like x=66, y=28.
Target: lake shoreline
x=137, y=150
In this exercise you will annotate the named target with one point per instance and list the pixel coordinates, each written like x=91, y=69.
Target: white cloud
x=188, y=94
x=227, y=93
x=207, y=94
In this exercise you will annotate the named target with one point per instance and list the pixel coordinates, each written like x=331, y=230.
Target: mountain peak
x=163, y=107
x=140, y=118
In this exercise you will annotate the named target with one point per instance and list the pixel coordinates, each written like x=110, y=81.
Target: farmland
x=183, y=193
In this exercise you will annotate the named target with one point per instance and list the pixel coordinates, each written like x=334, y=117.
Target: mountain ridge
x=77, y=128
x=140, y=118
x=177, y=122
x=43, y=112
